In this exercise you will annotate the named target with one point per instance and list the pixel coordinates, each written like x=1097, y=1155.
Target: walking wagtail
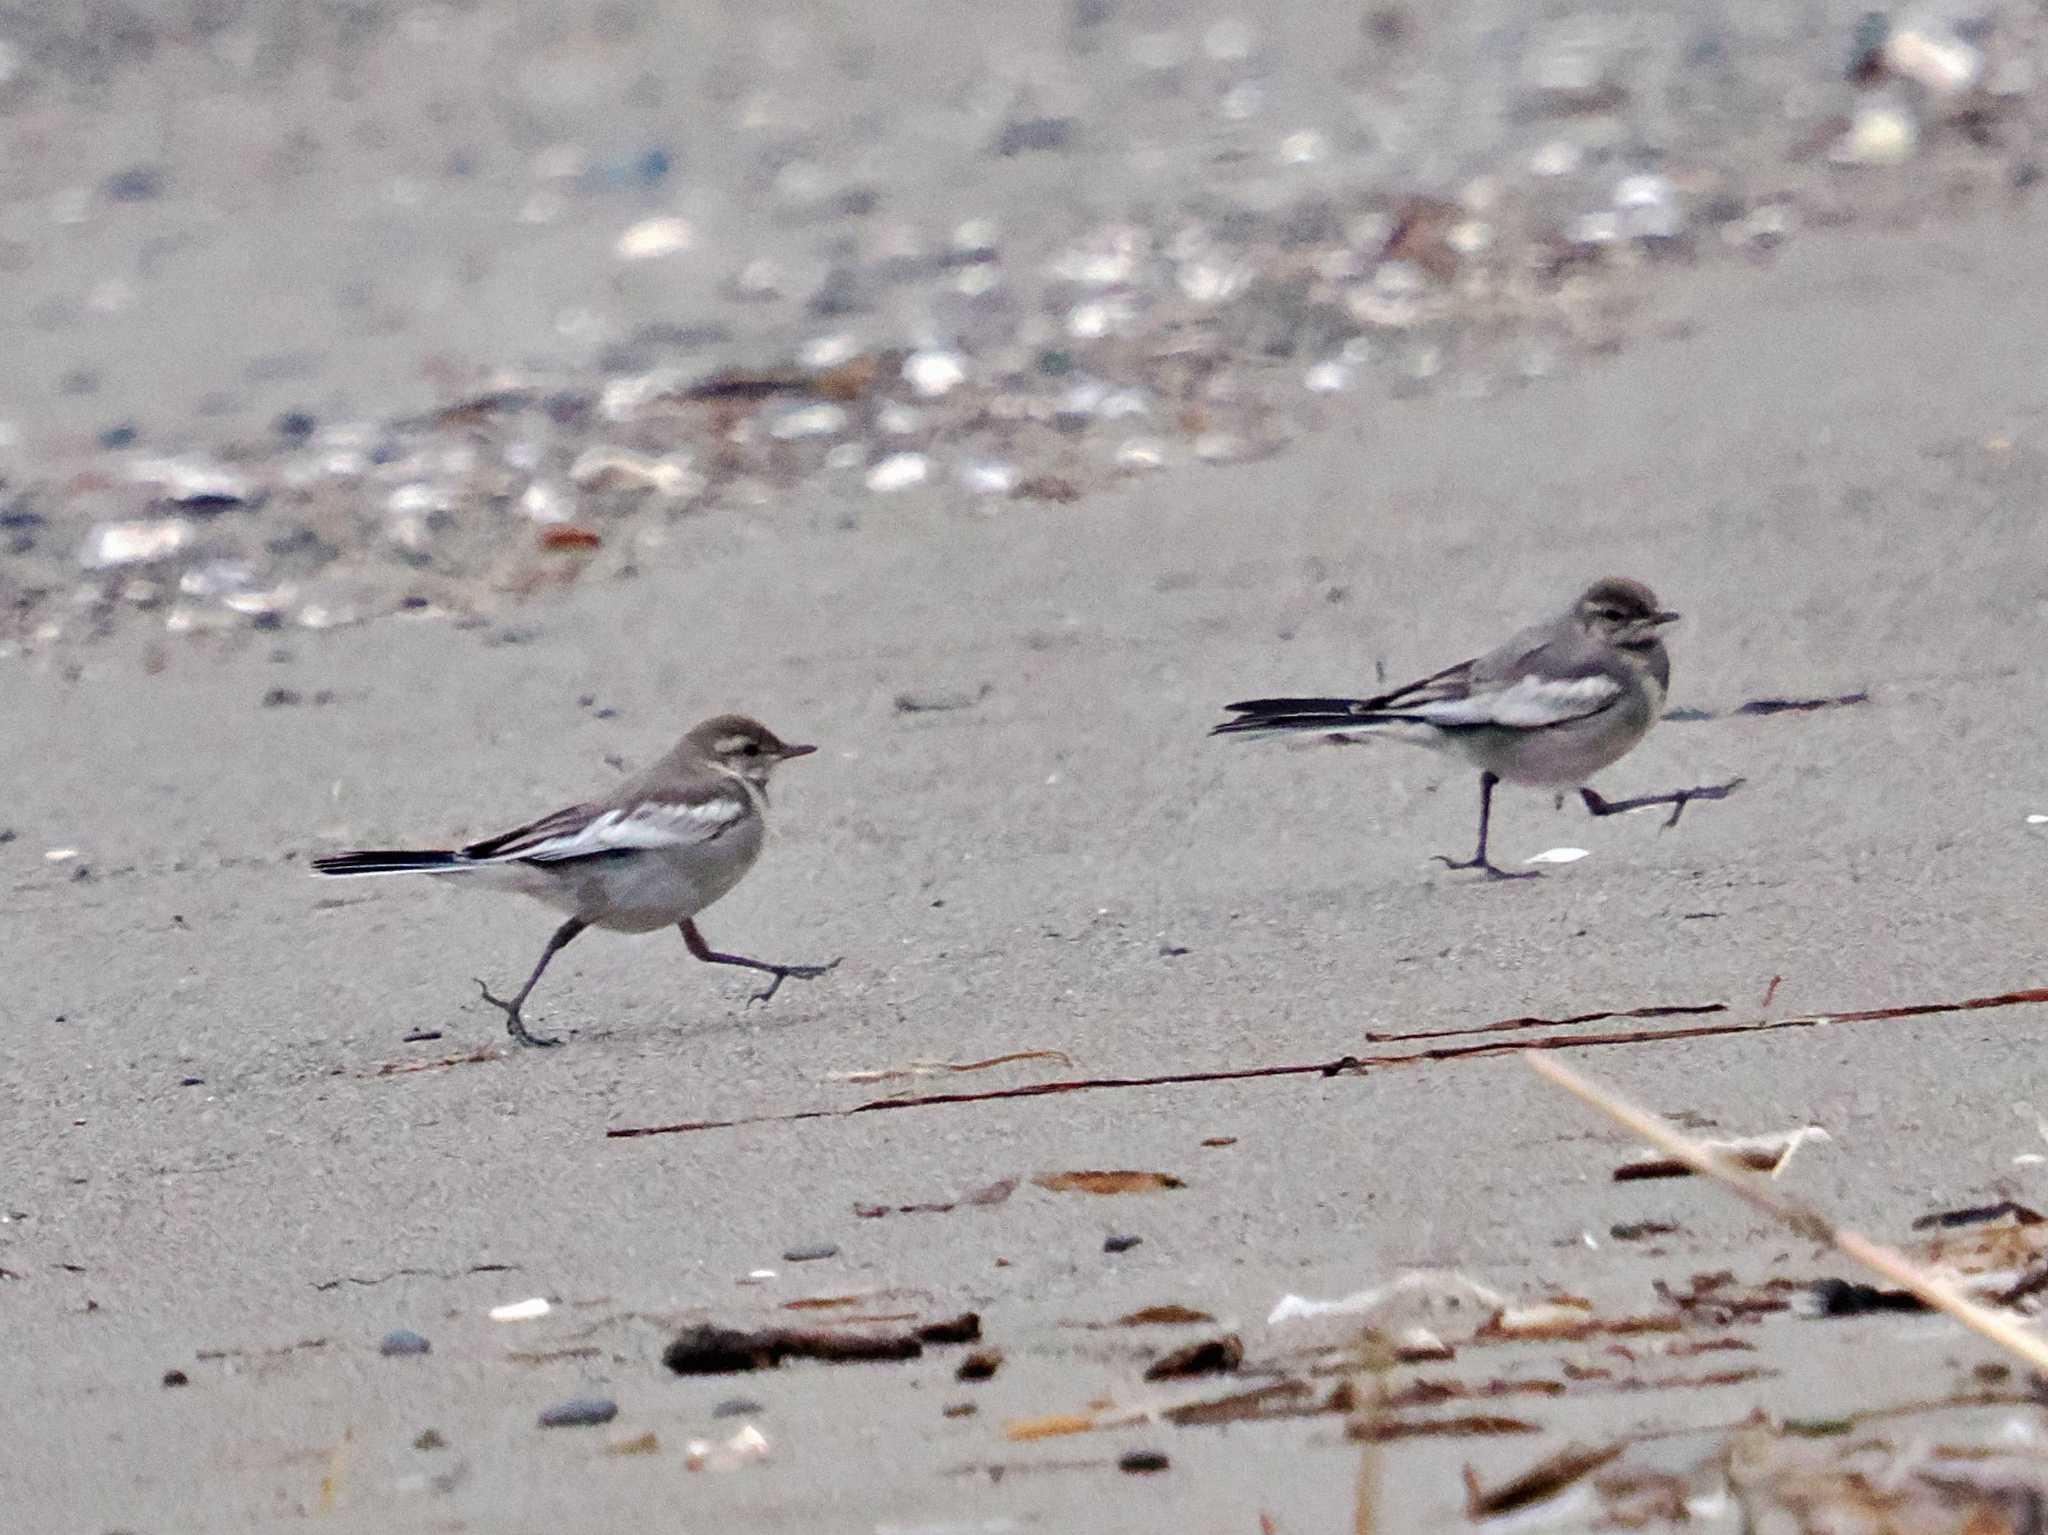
x=1549, y=708
x=653, y=853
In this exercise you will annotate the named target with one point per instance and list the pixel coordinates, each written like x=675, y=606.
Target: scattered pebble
x=403, y=1343
x=737, y=1407
x=521, y=1311
x=982, y=1364
x=1139, y=1462
x=1120, y=1244
x=115, y=544
x=654, y=238
x=812, y=1254
x=899, y=471
x=176, y=1378
x=1877, y=135
x=429, y=1439
x=579, y=1412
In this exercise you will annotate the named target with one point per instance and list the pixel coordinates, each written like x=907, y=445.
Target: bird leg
x=1479, y=860
x=1677, y=799
x=513, y=1026
x=711, y=956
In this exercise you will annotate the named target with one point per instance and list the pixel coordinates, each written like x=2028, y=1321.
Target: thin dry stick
x=1802, y=1218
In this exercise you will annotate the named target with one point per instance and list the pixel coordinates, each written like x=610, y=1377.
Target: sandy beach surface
x=224, y=1159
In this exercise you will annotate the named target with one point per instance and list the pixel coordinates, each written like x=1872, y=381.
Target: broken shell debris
x=1258, y=276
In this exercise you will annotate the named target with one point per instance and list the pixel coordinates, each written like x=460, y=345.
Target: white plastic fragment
x=521, y=1310
x=1557, y=855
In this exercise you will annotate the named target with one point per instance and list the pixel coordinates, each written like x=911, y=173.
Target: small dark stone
x=982, y=1364
x=1120, y=1244
x=737, y=1407
x=296, y=426
x=122, y=436
x=429, y=1439
x=858, y=202
x=191, y=1081
x=653, y=165
x=839, y=294
x=566, y=407
x=278, y=698
x=1141, y=1461
x=1034, y=133
x=810, y=1254
x=403, y=1343
x=137, y=184
x=177, y=1378
x=1212, y=1356
x=420, y=1036
x=579, y=1412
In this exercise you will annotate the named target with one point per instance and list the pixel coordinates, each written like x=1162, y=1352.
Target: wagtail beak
x=1661, y=619
x=796, y=751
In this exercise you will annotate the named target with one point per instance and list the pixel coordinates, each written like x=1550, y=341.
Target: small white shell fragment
x=607, y=468
x=2037, y=820
x=192, y=481
x=651, y=238
x=1877, y=135
x=1557, y=855
x=989, y=477
x=899, y=471
x=521, y=1310
x=60, y=855
x=113, y=544
x=822, y=419
x=1328, y=378
x=1933, y=57
x=933, y=373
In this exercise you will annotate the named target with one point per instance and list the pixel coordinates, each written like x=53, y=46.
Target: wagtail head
x=741, y=745
x=1623, y=613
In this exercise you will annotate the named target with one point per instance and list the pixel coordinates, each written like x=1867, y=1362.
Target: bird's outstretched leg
x=513, y=1025
x=1479, y=860
x=781, y=973
x=1677, y=799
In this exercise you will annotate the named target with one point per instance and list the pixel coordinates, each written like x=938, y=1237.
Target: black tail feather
x=1275, y=716
x=396, y=861
x=1270, y=706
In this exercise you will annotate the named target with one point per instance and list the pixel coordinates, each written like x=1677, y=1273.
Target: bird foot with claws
x=513, y=1025
x=1677, y=799
x=790, y=973
x=1492, y=870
